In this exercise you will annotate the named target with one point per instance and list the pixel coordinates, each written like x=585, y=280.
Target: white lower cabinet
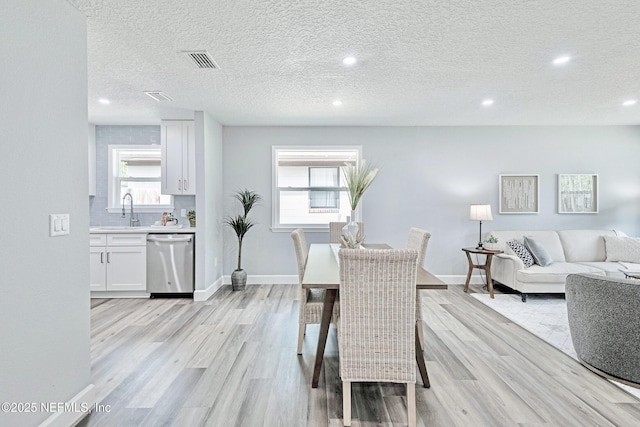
x=97, y=268
x=118, y=262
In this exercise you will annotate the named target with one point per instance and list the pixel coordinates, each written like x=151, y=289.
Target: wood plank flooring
x=231, y=361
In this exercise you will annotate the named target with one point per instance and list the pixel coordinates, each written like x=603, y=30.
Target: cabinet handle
x=101, y=257
x=186, y=184
x=108, y=257
x=179, y=184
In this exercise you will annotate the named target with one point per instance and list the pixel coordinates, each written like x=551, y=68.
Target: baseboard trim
x=280, y=279
x=292, y=279
x=120, y=294
x=260, y=279
x=205, y=294
x=457, y=279
x=80, y=405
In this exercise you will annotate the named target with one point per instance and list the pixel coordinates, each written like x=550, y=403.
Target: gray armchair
x=604, y=320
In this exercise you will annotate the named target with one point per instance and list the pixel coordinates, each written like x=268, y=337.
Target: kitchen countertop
x=139, y=230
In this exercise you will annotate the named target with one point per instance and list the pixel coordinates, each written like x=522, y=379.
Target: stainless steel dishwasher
x=170, y=263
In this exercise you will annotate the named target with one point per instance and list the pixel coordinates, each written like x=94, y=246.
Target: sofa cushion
x=625, y=249
x=554, y=273
x=522, y=252
x=539, y=253
x=548, y=238
x=613, y=269
x=584, y=245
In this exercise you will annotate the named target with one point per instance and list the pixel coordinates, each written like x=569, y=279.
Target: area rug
x=544, y=316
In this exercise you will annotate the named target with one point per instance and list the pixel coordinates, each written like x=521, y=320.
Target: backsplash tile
x=123, y=135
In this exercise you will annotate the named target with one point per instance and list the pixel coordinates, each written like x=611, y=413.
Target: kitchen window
x=308, y=189
x=136, y=169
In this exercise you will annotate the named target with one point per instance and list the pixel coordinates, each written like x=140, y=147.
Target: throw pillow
x=622, y=249
x=521, y=251
x=539, y=253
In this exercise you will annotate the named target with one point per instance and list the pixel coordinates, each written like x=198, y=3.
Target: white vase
x=352, y=224
x=345, y=229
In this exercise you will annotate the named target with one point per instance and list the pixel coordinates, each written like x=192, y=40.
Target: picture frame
x=578, y=193
x=519, y=193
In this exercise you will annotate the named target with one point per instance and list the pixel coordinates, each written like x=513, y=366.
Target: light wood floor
x=232, y=361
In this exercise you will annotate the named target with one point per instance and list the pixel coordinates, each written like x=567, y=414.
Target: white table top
x=322, y=270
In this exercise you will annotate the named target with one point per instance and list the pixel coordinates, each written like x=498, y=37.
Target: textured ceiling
x=420, y=62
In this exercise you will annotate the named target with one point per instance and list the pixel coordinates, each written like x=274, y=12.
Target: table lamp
x=480, y=213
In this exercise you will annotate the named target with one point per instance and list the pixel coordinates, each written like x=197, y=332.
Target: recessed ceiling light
x=629, y=102
x=561, y=60
x=349, y=60
x=104, y=101
x=337, y=103
x=487, y=102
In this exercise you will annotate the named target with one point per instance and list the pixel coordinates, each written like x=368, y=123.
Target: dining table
x=322, y=271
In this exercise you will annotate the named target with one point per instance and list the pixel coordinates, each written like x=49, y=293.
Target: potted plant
x=357, y=179
x=491, y=242
x=241, y=223
x=191, y=216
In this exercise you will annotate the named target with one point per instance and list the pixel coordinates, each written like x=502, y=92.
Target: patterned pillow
x=522, y=252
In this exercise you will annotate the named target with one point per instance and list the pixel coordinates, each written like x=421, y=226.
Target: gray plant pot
x=238, y=280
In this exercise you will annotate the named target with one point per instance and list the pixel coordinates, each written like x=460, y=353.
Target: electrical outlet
x=183, y=213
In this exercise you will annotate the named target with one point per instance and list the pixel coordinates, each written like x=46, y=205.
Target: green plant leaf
x=357, y=179
x=247, y=199
x=240, y=224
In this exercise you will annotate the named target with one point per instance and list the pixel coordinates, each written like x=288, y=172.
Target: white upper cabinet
x=178, y=157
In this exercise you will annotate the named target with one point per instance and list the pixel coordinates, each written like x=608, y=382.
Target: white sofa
x=572, y=251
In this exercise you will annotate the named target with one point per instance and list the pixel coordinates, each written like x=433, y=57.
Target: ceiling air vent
x=201, y=59
x=159, y=96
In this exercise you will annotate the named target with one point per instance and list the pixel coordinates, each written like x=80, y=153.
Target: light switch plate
x=58, y=225
x=183, y=213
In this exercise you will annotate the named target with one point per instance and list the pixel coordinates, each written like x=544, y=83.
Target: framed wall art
x=519, y=194
x=578, y=193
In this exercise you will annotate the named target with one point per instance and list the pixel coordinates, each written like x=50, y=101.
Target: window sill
x=142, y=209
x=306, y=228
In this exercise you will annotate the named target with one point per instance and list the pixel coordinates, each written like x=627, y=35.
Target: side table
x=486, y=266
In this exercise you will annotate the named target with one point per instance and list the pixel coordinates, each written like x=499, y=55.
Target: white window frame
x=276, y=226
x=114, y=202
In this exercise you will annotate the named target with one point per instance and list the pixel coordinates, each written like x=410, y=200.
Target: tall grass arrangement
x=358, y=178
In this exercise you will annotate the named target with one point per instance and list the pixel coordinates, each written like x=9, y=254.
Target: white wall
x=44, y=303
x=209, y=213
x=430, y=175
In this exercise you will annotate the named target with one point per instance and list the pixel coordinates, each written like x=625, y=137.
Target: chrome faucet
x=133, y=220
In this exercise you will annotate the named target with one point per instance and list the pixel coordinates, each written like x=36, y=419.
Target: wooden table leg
x=422, y=367
x=466, y=283
x=327, y=312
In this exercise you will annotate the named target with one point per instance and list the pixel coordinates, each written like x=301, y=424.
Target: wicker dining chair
x=311, y=300
x=335, y=231
x=418, y=240
x=376, y=331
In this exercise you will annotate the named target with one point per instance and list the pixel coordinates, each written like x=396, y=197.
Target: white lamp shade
x=480, y=213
